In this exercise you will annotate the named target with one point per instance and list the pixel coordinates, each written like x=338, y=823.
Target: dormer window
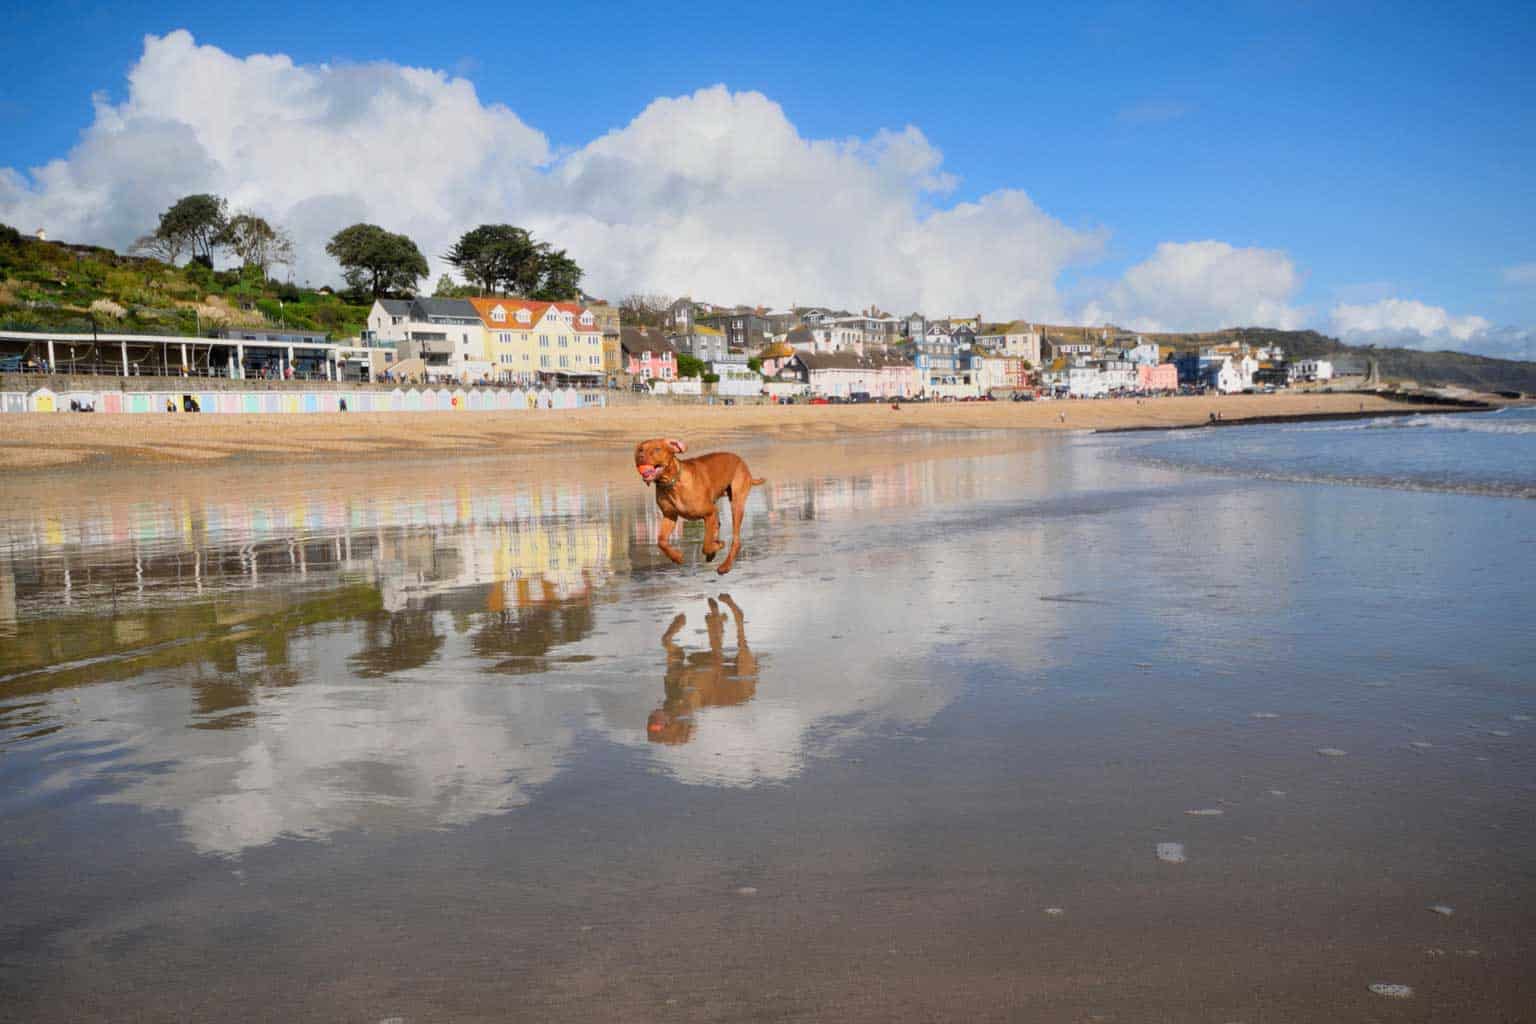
x=499, y=315
x=523, y=317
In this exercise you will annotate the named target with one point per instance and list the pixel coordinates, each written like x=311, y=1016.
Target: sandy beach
x=42, y=440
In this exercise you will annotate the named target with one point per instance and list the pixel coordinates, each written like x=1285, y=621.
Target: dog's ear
x=676, y=445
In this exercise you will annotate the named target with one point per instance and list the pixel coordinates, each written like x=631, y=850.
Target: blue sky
x=1387, y=151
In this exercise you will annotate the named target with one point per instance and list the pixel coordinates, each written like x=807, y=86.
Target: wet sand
x=40, y=440
x=376, y=743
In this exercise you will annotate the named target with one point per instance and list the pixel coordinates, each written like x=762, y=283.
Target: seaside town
x=555, y=353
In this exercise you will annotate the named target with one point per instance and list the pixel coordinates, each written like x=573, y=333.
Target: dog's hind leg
x=741, y=486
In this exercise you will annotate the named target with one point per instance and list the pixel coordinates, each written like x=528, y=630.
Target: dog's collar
x=662, y=481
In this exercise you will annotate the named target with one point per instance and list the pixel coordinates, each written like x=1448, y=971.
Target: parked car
x=821, y=400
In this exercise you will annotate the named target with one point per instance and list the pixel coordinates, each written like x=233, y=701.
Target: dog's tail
x=757, y=480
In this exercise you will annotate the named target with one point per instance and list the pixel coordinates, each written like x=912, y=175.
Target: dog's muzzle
x=649, y=473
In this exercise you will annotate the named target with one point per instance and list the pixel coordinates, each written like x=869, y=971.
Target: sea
x=1226, y=724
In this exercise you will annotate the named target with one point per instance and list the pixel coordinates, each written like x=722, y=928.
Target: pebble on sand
x=1332, y=752
x=1054, y=911
x=1172, y=853
x=1206, y=812
x=747, y=890
x=1392, y=991
x=1443, y=910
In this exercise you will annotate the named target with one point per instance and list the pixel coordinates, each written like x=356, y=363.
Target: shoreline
x=1422, y=406
x=85, y=444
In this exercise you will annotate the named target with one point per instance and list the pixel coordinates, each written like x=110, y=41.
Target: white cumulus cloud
x=715, y=194
x=1202, y=286
x=1409, y=323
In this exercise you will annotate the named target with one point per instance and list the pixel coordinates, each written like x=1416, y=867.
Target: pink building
x=1160, y=377
x=647, y=354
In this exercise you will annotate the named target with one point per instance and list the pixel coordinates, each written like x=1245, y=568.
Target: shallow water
x=1030, y=734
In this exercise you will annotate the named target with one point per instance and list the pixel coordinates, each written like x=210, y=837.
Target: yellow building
x=531, y=342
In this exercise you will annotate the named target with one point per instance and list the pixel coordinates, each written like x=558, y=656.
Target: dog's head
x=656, y=457
x=664, y=726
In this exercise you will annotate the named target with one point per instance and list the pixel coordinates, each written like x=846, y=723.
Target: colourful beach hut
x=229, y=403
x=309, y=402
x=208, y=401
x=250, y=403
x=111, y=401
x=141, y=402
x=13, y=401
x=413, y=400
x=42, y=400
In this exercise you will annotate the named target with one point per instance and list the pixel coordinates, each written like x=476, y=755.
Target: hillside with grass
x=58, y=286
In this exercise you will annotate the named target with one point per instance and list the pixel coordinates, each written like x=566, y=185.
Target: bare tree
x=165, y=248
x=644, y=309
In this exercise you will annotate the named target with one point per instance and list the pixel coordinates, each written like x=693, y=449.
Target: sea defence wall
x=193, y=396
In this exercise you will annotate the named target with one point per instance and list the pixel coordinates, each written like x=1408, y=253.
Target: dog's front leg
x=711, y=535
x=664, y=539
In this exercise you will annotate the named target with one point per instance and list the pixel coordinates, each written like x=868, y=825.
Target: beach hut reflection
x=702, y=679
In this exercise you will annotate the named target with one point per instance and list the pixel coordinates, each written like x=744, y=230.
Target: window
x=543, y=341
x=523, y=317
x=564, y=362
x=499, y=315
x=543, y=360
x=565, y=342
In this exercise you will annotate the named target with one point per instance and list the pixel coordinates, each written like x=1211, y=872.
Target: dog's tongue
x=648, y=473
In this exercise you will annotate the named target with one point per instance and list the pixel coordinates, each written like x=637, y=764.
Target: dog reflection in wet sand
x=702, y=679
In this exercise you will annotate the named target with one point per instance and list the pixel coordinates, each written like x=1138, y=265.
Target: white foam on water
x=1392, y=991
x=1498, y=732
x=1206, y=812
x=1171, y=853
x=1332, y=752
x=1420, y=744
x=1263, y=714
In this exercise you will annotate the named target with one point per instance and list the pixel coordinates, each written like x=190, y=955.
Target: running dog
x=690, y=488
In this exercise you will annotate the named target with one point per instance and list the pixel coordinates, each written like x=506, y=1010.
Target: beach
x=41, y=440
x=986, y=724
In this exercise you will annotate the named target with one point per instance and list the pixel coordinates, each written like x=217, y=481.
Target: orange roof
x=536, y=309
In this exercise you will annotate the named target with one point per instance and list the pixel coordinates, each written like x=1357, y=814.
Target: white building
x=1312, y=369
x=447, y=335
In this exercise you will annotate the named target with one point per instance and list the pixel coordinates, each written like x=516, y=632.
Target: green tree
x=688, y=366
x=257, y=243
x=560, y=277
x=499, y=257
x=196, y=223
x=377, y=261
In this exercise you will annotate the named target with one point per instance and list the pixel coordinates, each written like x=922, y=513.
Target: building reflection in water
x=702, y=679
x=264, y=662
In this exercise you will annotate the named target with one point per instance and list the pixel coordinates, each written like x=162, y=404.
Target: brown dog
x=689, y=488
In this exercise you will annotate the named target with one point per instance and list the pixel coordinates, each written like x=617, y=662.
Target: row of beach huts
x=412, y=399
